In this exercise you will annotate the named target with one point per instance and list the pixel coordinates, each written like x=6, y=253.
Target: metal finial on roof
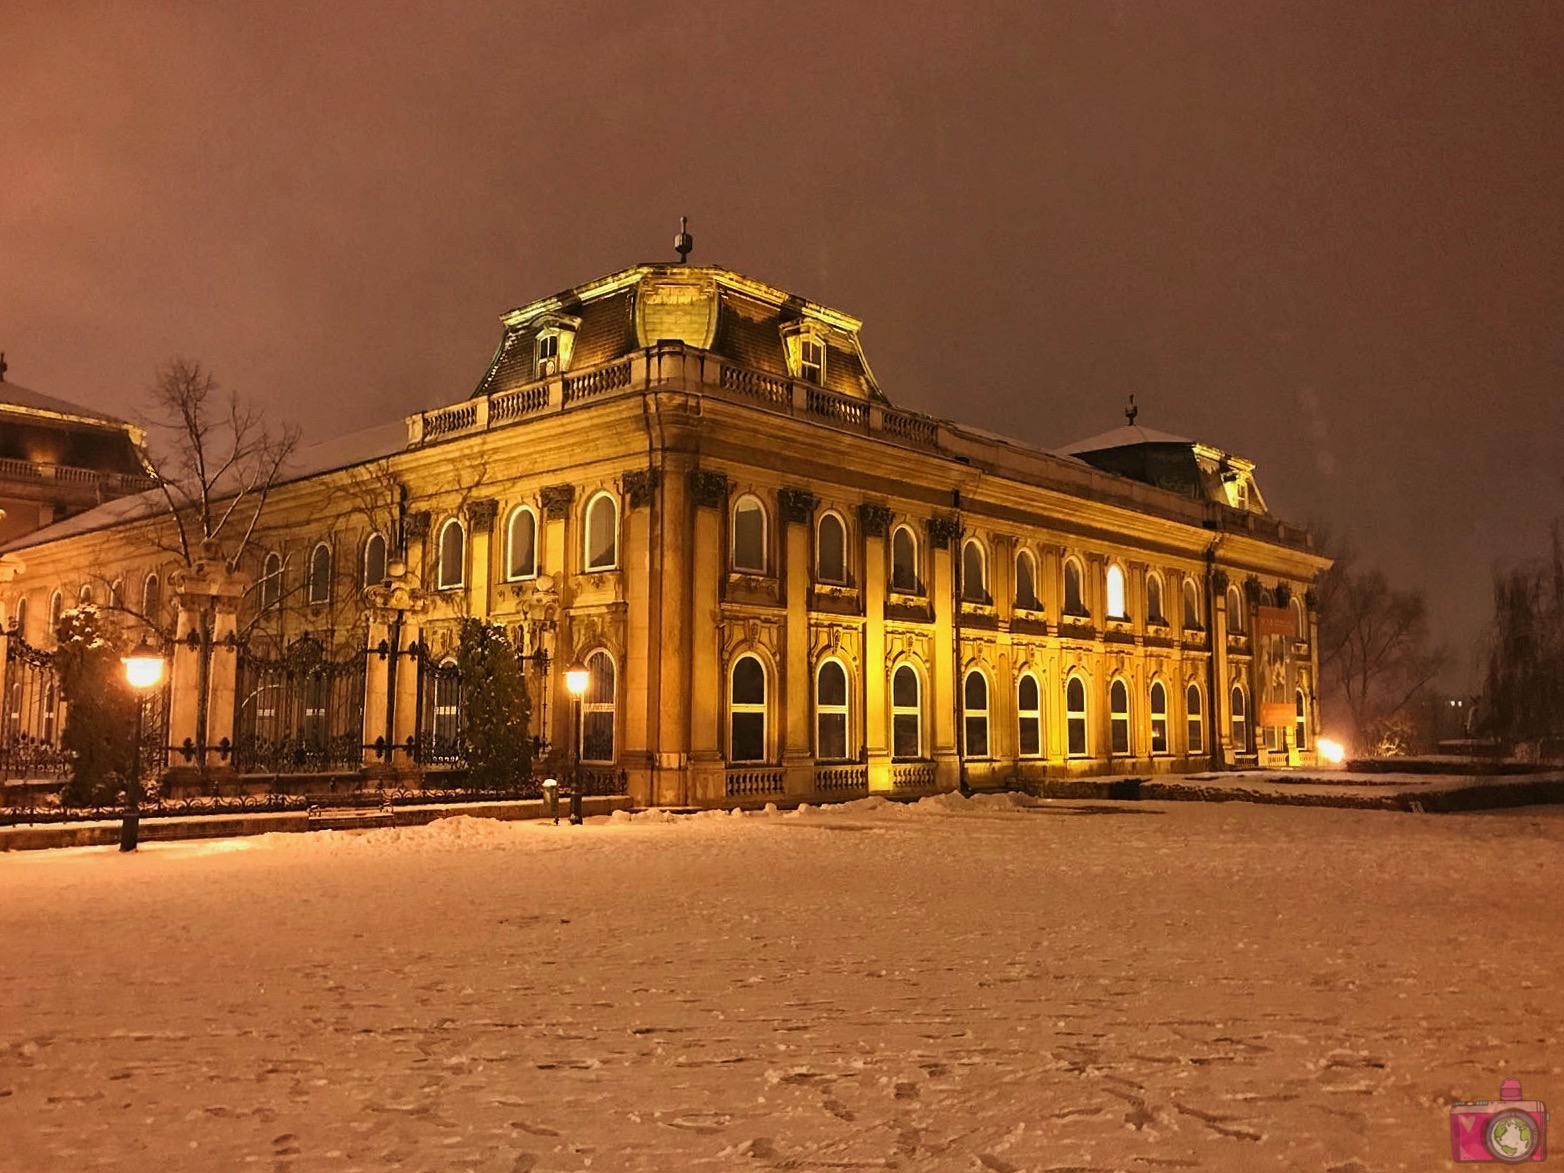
x=1131, y=411
x=684, y=242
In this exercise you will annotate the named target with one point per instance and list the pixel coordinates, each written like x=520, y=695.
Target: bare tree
x=217, y=465
x=1523, y=687
x=1375, y=654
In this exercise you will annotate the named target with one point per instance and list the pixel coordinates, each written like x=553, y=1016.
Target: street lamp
x=577, y=677
x=143, y=671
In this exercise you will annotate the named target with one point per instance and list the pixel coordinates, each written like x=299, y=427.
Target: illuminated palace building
x=783, y=586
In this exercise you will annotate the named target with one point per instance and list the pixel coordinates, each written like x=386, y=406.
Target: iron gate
x=30, y=716
x=439, y=738
x=299, y=713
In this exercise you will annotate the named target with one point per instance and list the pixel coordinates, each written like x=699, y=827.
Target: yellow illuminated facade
x=784, y=586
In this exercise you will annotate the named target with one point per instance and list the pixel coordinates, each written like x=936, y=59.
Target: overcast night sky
x=1325, y=236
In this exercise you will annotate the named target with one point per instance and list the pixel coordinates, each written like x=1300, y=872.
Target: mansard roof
x=1171, y=462
x=704, y=306
x=17, y=399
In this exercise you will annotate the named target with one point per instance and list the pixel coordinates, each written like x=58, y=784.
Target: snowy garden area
x=992, y=984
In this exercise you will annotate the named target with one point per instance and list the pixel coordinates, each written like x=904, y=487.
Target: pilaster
x=480, y=578
x=700, y=695
x=796, y=510
x=873, y=520
x=943, y=534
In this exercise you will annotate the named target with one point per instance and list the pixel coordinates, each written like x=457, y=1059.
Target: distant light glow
x=1331, y=750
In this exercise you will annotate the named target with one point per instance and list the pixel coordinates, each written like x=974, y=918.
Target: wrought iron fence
x=439, y=738
x=30, y=715
x=301, y=712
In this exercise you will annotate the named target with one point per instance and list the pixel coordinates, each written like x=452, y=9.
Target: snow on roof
x=342, y=451
x=15, y=395
x=1124, y=437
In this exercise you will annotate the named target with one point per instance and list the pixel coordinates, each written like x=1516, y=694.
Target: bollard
x=551, y=792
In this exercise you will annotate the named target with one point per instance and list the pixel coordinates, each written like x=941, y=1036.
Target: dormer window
x=811, y=359
x=547, y=355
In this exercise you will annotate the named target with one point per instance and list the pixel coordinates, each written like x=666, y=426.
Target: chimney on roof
x=1131, y=411
x=684, y=242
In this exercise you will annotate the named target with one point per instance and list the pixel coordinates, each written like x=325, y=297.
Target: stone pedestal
x=203, y=670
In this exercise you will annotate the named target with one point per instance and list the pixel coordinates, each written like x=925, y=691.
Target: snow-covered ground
x=963, y=986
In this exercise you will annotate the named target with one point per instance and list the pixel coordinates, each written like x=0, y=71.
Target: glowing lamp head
x=143, y=666
x=1331, y=750
x=577, y=678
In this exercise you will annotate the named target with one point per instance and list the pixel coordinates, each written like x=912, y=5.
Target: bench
x=350, y=818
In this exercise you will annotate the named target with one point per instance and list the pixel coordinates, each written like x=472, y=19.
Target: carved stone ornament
x=557, y=500
x=640, y=486
x=1311, y=600
x=709, y=488
x=416, y=526
x=481, y=512
x=943, y=531
x=1283, y=594
x=1252, y=588
x=798, y=505
x=874, y=518
x=1219, y=581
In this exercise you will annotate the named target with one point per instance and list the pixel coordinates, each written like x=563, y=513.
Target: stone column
x=709, y=495
x=204, y=668
x=874, y=520
x=1221, y=703
x=391, y=672
x=796, y=508
x=944, y=533
x=636, y=741
x=480, y=579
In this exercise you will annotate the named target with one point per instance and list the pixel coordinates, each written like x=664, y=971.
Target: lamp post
x=577, y=677
x=144, y=666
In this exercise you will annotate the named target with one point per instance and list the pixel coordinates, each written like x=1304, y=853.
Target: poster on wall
x=1275, y=629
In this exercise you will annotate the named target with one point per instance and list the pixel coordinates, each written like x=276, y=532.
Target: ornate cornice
x=874, y=518
x=557, y=500
x=708, y=487
x=798, y=505
x=640, y=486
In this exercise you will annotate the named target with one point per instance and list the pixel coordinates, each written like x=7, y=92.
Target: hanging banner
x=1275, y=629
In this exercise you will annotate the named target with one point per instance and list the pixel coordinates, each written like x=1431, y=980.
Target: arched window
x=747, y=711
x=749, y=535
x=56, y=609
x=1154, y=601
x=1194, y=721
x=374, y=560
x=151, y=598
x=1115, y=593
x=602, y=533
x=974, y=572
x=904, y=560
x=84, y=596
x=20, y=618
x=1029, y=713
x=1299, y=619
x=117, y=594
x=1191, y=605
x=974, y=709
x=521, y=545
x=1074, y=600
x=1235, y=610
x=1240, y=724
x=1075, y=716
x=1300, y=729
x=451, y=564
x=597, y=709
x=906, y=713
x=1026, y=581
x=318, y=588
x=831, y=743
x=1119, y=717
x=831, y=550
x=271, y=581
x=1159, y=717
